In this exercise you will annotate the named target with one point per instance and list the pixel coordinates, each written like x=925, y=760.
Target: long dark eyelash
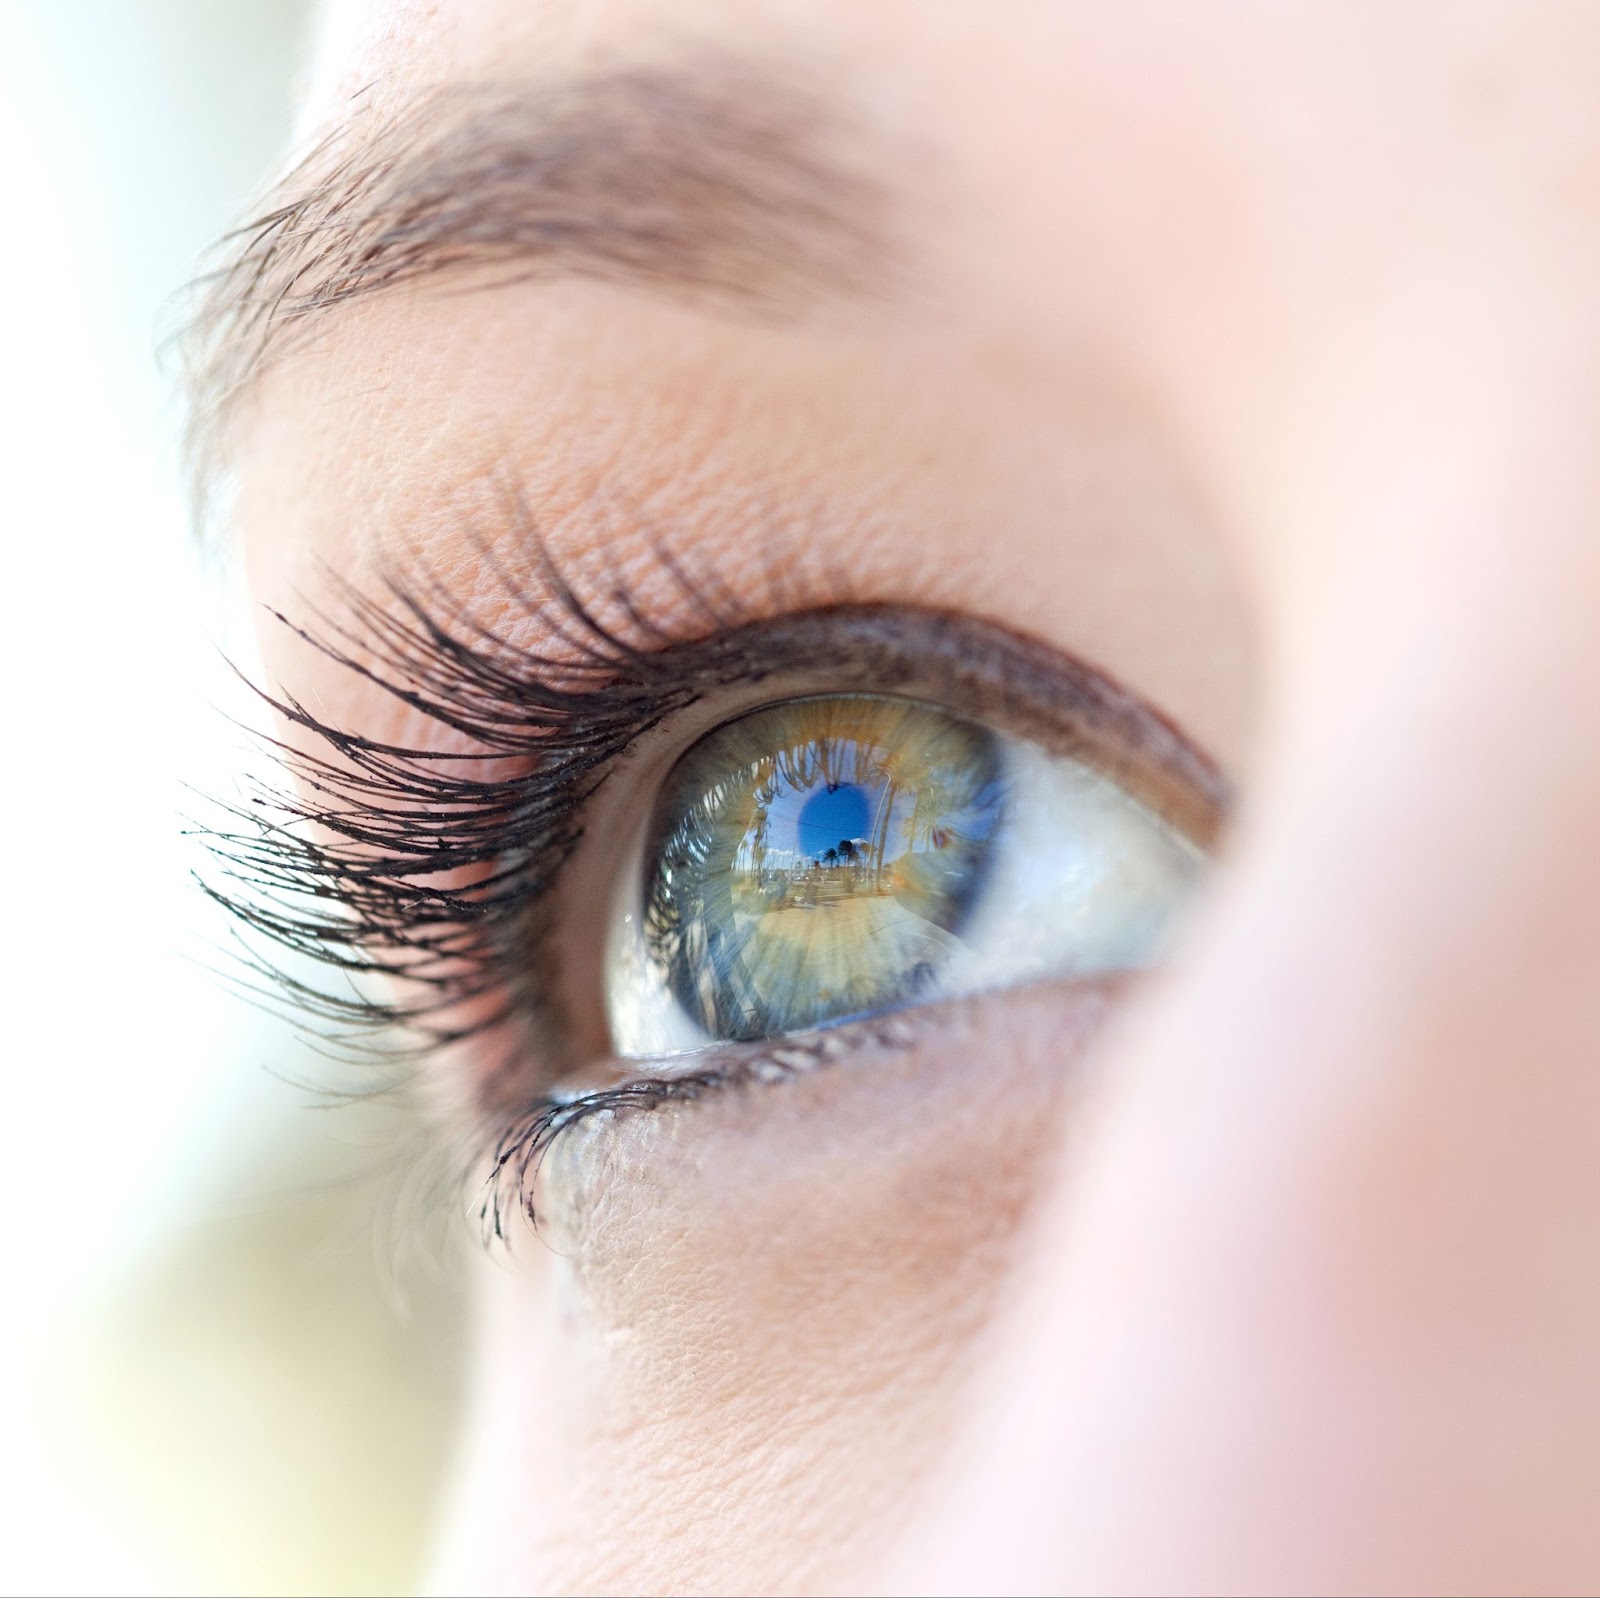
x=414, y=865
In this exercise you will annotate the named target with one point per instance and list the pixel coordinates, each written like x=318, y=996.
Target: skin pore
x=1252, y=357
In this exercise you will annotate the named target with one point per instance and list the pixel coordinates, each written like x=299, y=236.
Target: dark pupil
x=817, y=860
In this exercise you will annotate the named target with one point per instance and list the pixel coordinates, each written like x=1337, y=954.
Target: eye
x=836, y=856
x=599, y=850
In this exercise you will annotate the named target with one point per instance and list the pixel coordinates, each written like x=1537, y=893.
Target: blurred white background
x=210, y=1378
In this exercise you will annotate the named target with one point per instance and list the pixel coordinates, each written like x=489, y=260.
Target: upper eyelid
x=978, y=669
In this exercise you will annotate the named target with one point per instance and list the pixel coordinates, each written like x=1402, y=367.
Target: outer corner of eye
x=831, y=857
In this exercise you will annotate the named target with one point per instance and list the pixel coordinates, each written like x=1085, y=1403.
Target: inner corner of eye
x=832, y=857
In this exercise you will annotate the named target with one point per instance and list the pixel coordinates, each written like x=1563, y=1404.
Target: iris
x=846, y=854
x=818, y=859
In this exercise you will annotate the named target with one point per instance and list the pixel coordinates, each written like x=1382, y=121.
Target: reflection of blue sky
x=802, y=823
x=829, y=816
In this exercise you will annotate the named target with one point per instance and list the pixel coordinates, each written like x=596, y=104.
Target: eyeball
x=837, y=856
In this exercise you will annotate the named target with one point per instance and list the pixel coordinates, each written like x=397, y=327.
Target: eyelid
x=972, y=668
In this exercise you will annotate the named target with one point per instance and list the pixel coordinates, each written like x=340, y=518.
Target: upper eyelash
x=336, y=865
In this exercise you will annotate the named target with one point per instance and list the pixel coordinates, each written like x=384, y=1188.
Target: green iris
x=817, y=860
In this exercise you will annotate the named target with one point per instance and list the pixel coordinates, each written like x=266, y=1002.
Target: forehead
x=1035, y=197
x=1127, y=235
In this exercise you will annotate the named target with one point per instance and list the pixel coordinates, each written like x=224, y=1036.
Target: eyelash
x=365, y=901
x=342, y=866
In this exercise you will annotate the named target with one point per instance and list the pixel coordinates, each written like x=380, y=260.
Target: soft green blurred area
x=225, y=1362
x=274, y=1419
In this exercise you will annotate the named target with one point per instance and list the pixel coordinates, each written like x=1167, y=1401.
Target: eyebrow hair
x=707, y=179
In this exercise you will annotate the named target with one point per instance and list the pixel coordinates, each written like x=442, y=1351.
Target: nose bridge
x=1389, y=1047
x=1341, y=1213
x=1431, y=797
x=1316, y=1300
x=1392, y=1051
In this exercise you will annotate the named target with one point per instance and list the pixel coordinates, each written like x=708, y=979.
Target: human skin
x=1253, y=355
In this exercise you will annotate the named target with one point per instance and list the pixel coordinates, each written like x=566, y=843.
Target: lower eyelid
x=935, y=1076
x=519, y=1176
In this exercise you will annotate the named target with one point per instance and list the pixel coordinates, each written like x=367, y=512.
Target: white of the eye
x=1084, y=880
x=644, y=1017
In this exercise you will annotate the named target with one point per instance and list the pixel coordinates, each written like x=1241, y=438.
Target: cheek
x=748, y=1326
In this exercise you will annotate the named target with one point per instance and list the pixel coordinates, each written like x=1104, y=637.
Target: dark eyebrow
x=705, y=179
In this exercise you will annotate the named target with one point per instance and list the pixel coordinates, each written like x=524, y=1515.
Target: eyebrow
x=705, y=180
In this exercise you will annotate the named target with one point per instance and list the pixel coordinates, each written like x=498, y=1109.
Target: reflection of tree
x=766, y=791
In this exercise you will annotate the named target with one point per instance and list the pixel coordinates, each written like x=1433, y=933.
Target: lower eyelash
x=511, y=1187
